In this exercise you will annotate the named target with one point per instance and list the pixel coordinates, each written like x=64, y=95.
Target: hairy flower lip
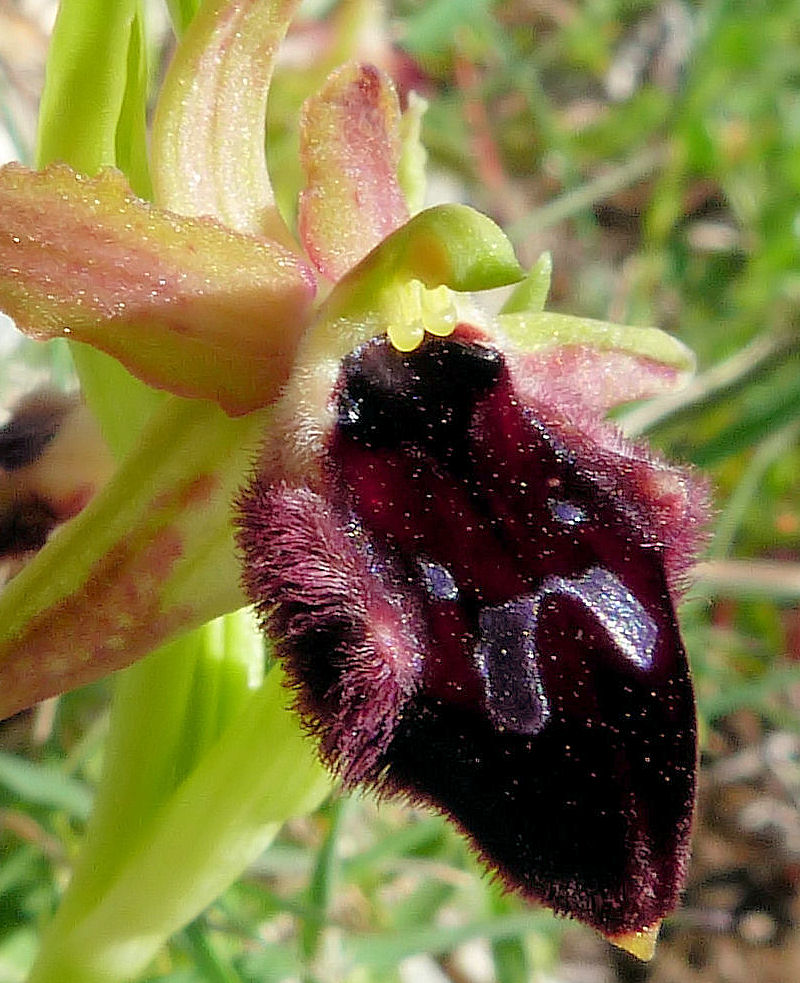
x=393, y=500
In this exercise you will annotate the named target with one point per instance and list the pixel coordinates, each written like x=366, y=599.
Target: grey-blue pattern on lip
x=506, y=659
x=632, y=630
x=438, y=581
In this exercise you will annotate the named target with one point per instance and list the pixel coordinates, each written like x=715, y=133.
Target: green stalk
x=92, y=115
x=182, y=13
x=162, y=846
x=87, y=75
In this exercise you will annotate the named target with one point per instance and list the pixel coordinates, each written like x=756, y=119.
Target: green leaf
x=749, y=693
x=262, y=771
x=207, y=960
x=383, y=952
x=168, y=711
x=774, y=446
x=435, y=27
x=321, y=886
x=45, y=785
x=531, y=293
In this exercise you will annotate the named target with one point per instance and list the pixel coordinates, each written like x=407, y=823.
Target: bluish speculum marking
x=438, y=581
x=507, y=662
x=568, y=513
x=631, y=630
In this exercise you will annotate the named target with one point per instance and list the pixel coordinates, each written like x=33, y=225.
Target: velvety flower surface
x=473, y=592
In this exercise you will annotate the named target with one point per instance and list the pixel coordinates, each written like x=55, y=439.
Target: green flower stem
x=92, y=115
x=131, y=132
x=134, y=888
x=156, y=738
x=87, y=75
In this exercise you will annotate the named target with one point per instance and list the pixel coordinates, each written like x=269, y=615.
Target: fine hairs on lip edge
x=473, y=595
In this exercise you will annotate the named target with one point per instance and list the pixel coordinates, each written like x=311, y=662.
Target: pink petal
x=599, y=379
x=208, y=144
x=185, y=304
x=350, y=150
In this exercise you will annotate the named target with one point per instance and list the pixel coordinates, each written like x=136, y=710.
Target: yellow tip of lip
x=641, y=944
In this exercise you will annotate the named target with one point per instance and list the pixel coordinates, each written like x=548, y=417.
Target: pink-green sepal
x=151, y=556
x=185, y=304
x=594, y=363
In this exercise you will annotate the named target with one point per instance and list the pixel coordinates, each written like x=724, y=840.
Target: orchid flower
x=468, y=575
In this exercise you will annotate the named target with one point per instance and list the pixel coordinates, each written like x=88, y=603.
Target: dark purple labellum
x=473, y=603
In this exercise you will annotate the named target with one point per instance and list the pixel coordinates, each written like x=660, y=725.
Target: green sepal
x=530, y=332
x=152, y=555
x=210, y=160
x=531, y=293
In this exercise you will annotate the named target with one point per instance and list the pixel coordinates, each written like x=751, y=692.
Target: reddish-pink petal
x=591, y=365
x=350, y=150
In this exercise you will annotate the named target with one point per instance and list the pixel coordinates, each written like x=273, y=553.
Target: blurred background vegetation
x=654, y=149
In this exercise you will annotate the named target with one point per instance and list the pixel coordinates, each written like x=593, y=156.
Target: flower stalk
x=202, y=769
